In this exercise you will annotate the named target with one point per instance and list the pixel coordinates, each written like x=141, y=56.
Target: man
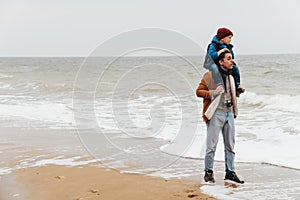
x=220, y=118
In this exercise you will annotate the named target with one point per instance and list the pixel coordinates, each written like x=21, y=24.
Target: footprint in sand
x=60, y=177
x=94, y=191
x=191, y=195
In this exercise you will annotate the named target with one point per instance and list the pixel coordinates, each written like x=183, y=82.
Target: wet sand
x=87, y=182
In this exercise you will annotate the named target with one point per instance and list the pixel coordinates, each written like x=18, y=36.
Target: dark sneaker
x=209, y=177
x=239, y=91
x=233, y=177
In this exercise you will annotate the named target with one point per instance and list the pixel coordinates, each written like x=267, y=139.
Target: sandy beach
x=89, y=182
x=37, y=165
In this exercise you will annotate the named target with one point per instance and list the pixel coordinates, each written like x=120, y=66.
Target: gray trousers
x=221, y=121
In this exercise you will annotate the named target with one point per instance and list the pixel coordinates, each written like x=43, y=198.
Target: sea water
x=37, y=92
x=152, y=99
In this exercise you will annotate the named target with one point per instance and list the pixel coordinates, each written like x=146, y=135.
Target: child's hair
x=222, y=55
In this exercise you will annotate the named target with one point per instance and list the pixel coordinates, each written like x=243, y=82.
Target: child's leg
x=237, y=79
x=210, y=65
x=216, y=74
x=208, y=62
x=236, y=75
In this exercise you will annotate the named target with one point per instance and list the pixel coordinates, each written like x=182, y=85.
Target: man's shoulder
x=207, y=77
x=207, y=74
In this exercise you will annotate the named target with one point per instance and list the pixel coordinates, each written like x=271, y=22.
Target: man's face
x=227, y=62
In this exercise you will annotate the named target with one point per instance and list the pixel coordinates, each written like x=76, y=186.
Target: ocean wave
x=281, y=102
x=3, y=76
x=39, y=87
x=40, y=114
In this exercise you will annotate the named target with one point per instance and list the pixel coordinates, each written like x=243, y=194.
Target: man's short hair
x=222, y=55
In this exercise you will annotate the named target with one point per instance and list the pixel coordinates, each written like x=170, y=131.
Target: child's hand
x=222, y=50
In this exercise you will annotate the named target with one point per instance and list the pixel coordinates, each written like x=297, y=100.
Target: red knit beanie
x=223, y=32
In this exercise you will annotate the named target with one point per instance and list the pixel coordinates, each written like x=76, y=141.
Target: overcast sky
x=76, y=28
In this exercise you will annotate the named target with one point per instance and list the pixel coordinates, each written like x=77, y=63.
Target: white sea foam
x=37, y=161
x=73, y=161
x=40, y=113
x=139, y=111
x=6, y=86
x=5, y=170
x=219, y=192
x=5, y=76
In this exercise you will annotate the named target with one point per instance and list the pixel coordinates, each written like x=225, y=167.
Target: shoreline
x=27, y=152
x=90, y=182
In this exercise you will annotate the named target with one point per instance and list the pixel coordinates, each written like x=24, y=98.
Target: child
x=220, y=43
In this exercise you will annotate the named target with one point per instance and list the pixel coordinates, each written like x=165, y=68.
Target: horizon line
x=108, y=56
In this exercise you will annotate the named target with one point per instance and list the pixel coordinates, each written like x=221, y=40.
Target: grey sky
x=76, y=28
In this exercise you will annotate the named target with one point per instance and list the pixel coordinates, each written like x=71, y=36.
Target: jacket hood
x=216, y=40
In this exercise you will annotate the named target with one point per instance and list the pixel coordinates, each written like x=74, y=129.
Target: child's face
x=226, y=40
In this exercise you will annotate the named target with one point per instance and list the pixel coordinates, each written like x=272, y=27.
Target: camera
x=228, y=103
